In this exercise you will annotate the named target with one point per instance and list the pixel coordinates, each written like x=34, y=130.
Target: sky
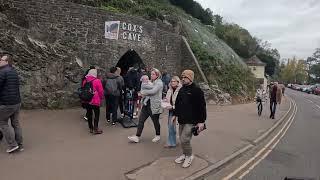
x=291, y=26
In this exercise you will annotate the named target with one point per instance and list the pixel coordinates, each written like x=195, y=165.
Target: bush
x=110, y=9
x=149, y=12
x=232, y=78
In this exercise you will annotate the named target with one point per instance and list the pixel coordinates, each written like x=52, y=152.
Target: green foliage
x=313, y=64
x=294, y=71
x=245, y=45
x=232, y=78
x=148, y=12
x=195, y=9
x=152, y=10
x=122, y=5
x=315, y=71
x=110, y=9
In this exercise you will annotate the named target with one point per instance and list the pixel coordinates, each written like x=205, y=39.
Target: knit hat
x=188, y=74
x=93, y=72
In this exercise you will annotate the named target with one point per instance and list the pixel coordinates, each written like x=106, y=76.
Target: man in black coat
x=190, y=109
x=10, y=102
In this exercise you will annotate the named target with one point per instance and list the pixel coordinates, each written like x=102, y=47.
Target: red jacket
x=97, y=88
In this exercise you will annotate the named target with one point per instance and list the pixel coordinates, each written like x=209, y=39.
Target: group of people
x=109, y=88
x=276, y=91
x=184, y=101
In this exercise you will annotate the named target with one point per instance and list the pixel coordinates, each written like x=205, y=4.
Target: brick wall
x=50, y=78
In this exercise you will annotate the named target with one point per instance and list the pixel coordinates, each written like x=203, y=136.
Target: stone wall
x=53, y=42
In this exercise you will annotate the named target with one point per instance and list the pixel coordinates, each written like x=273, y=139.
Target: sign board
x=111, y=30
x=131, y=32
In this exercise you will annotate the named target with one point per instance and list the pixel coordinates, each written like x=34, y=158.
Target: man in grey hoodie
x=113, y=86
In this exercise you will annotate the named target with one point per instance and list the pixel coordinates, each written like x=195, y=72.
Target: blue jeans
x=273, y=107
x=172, y=141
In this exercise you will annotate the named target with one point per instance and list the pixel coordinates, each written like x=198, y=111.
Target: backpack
x=86, y=92
x=111, y=87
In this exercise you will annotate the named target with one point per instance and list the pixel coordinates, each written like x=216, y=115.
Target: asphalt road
x=298, y=153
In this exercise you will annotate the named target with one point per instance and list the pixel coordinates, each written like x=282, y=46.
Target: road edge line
x=246, y=148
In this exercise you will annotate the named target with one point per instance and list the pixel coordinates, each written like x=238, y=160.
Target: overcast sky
x=291, y=26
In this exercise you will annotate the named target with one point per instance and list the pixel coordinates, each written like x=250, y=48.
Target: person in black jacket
x=190, y=109
x=10, y=105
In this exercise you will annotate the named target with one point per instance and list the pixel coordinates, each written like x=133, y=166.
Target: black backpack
x=112, y=87
x=86, y=92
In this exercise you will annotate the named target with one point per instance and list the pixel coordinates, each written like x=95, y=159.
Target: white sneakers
x=12, y=149
x=180, y=159
x=186, y=160
x=156, y=139
x=136, y=139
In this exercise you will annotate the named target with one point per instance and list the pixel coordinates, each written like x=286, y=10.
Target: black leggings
x=90, y=110
x=144, y=114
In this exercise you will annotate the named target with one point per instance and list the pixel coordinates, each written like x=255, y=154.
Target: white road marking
x=269, y=151
x=314, y=103
x=287, y=125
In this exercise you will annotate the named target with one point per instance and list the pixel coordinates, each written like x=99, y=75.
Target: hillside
x=222, y=66
x=52, y=44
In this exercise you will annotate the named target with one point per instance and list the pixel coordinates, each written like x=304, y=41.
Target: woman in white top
x=170, y=100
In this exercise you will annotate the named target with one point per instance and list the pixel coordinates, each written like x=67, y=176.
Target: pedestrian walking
x=275, y=94
x=166, y=80
x=190, y=109
x=10, y=102
x=92, y=87
x=152, y=108
x=132, y=85
x=84, y=78
x=121, y=97
x=171, y=96
x=113, y=87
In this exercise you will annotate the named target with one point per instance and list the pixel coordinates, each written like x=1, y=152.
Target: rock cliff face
x=54, y=42
x=46, y=65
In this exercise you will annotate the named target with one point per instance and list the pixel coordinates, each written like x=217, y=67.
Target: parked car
x=314, y=87
x=309, y=89
x=297, y=87
x=316, y=91
x=306, y=88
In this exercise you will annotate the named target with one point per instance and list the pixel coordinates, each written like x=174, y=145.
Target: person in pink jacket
x=94, y=104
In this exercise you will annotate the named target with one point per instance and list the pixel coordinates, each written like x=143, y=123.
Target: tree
x=316, y=55
x=313, y=66
x=315, y=71
x=294, y=71
x=195, y=9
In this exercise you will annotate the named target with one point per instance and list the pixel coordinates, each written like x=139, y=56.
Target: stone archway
x=130, y=59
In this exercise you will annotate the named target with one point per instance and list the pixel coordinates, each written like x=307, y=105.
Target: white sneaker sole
x=179, y=162
x=13, y=149
x=133, y=140
x=155, y=140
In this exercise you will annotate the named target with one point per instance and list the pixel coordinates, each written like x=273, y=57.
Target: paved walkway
x=58, y=146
